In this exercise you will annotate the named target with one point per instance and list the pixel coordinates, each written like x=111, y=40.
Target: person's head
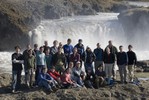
x=88, y=49
x=55, y=43
x=30, y=51
x=75, y=50
x=110, y=43
x=68, y=41
x=121, y=48
x=67, y=71
x=78, y=64
x=28, y=47
x=100, y=68
x=41, y=49
x=89, y=71
x=35, y=46
x=98, y=45
x=60, y=49
x=46, y=43
x=52, y=69
x=17, y=49
x=80, y=41
x=44, y=70
x=60, y=44
x=47, y=51
x=70, y=65
x=130, y=47
x=108, y=50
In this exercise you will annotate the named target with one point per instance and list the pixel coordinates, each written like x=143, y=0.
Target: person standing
x=48, y=57
x=36, y=49
x=132, y=60
x=114, y=51
x=122, y=61
x=40, y=62
x=80, y=48
x=109, y=60
x=30, y=68
x=99, y=56
x=75, y=57
x=88, y=58
x=68, y=49
x=54, y=48
x=17, y=61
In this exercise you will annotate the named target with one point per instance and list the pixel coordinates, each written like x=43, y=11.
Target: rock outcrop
x=116, y=92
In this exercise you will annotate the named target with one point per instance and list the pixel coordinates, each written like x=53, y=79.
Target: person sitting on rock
x=54, y=74
x=78, y=74
x=66, y=79
x=100, y=77
x=46, y=81
x=90, y=79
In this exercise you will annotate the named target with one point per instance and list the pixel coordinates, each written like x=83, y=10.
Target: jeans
x=16, y=79
x=108, y=70
x=37, y=72
x=46, y=84
x=123, y=72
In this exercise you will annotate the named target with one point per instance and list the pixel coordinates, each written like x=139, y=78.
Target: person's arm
x=42, y=78
x=78, y=57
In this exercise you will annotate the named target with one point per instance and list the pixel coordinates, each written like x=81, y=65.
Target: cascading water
x=92, y=29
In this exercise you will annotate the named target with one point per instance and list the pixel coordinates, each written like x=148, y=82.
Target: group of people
x=60, y=66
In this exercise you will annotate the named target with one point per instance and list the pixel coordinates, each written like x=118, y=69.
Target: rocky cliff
x=18, y=17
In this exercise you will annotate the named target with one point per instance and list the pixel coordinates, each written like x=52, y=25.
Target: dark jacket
x=132, y=59
x=80, y=48
x=57, y=57
x=88, y=57
x=16, y=66
x=109, y=59
x=99, y=54
x=122, y=58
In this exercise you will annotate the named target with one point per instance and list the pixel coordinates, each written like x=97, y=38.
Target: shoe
x=13, y=91
x=125, y=82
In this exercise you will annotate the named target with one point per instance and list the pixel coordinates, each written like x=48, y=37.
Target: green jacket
x=30, y=62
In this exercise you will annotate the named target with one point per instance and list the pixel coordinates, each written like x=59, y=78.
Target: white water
x=92, y=29
x=139, y=4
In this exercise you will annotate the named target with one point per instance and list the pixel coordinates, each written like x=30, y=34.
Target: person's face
x=55, y=43
x=80, y=42
x=121, y=48
x=98, y=45
x=28, y=47
x=78, y=65
x=100, y=68
x=41, y=49
x=30, y=52
x=44, y=71
x=129, y=48
x=47, y=51
x=60, y=50
x=36, y=47
x=17, y=50
x=70, y=65
x=69, y=42
x=75, y=50
x=53, y=69
x=46, y=43
x=110, y=43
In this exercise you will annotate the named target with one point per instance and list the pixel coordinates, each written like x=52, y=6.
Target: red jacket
x=54, y=74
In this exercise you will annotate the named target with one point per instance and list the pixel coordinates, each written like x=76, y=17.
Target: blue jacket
x=99, y=54
x=122, y=58
x=80, y=48
x=68, y=49
x=44, y=77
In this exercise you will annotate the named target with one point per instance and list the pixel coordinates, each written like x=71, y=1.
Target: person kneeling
x=100, y=77
x=45, y=80
x=90, y=79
